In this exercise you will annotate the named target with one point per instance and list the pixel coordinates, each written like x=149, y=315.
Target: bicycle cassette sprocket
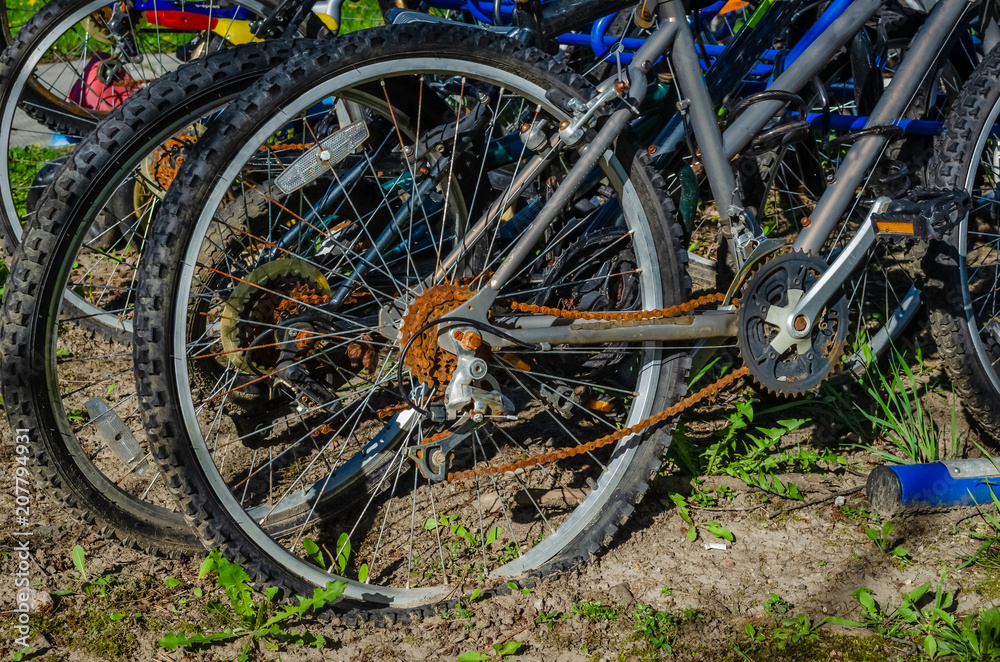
x=788, y=366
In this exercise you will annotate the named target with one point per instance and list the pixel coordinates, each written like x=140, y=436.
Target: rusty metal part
x=436, y=437
x=263, y=300
x=307, y=294
x=428, y=363
x=606, y=440
x=363, y=354
x=391, y=410
x=165, y=161
x=420, y=313
x=469, y=340
x=619, y=317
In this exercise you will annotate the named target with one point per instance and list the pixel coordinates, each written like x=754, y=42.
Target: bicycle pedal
x=923, y=215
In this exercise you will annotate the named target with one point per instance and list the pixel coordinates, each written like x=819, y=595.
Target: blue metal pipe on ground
x=934, y=485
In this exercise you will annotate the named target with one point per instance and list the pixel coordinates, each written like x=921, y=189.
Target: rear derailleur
x=465, y=401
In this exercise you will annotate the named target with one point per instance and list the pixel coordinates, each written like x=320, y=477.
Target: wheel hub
x=259, y=304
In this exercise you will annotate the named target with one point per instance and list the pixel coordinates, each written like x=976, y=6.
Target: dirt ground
x=812, y=554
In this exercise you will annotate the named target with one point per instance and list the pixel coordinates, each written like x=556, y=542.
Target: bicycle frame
x=716, y=150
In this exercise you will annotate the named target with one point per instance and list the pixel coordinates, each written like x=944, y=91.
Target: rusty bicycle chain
x=672, y=311
x=614, y=437
x=618, y=435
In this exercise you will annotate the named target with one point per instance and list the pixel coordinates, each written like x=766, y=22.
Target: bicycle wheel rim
x=548, y=548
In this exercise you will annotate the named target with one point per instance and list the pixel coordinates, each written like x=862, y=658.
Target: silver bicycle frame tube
x=716, y=148
x=916, y=66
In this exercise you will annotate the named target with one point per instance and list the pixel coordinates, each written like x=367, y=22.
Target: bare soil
x=812, y=553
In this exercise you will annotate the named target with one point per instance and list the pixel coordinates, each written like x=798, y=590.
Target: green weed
x=859, y=514
x=595, y=611
x=882, y=539
x=660, y=627
x=751, y=457
x=500, y=652
x=101, y=583
x=550, y=618
x=258, y=620
x=788, y=631
x=776, y=606
x=939, y=632
x=988, y=554
x=900, y=417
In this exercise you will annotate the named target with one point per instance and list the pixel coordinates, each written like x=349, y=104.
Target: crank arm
x=546, y=330
x=800, y=319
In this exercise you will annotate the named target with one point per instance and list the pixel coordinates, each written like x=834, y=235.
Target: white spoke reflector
x=322, y=157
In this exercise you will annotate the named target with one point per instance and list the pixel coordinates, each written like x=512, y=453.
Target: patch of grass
x=24, y=163
x=595, y=611
x=989, y=587
x=900, y=417
x=356, y=16
x=105, y=635
x=749, y=453
x=823, y=649
x=259, y=620
x=103, y=619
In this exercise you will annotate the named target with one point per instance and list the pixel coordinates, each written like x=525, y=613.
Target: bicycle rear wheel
x=238, y=263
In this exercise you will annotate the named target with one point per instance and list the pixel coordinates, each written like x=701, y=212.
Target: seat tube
x=698, y=104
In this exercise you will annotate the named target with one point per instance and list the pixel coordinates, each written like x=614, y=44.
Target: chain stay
x=614, y=437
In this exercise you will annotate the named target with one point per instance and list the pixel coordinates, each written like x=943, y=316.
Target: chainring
x=775, y=288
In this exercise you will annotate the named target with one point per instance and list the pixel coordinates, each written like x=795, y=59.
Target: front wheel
x=308, y=290
x=966, y=317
